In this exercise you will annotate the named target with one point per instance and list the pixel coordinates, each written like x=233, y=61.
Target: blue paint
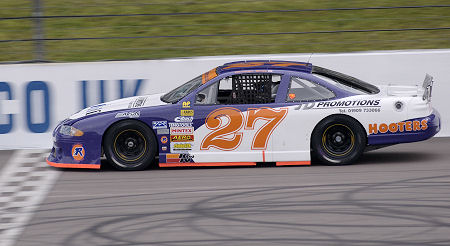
x=6, y=128
x=84, y=103
x=38, y=86
x=122, y=89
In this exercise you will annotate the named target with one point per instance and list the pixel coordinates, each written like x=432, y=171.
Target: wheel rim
x=130, y=145
x=338, y=140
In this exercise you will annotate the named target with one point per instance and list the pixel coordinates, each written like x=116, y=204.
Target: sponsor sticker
x=181, y=130
x=186, y=104
x=179, y=158
x=78, y=152
x=164, y=148
x=340, y=104
x=164, y=139
x=95, y=109
x=181, y=147
x=187, y=112
x=181, y=138
x=405, y=126
x=159, y=124
x=180, y=124
x=184, y=119
x=137, y=103
x=163, y=131
x=134, y=114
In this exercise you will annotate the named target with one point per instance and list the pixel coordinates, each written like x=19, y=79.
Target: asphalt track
x=398, y=195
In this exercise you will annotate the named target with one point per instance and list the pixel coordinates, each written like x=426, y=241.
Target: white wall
x=63, y=83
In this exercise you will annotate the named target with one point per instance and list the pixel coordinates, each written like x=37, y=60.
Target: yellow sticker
x=187, y=104
x=187, y=112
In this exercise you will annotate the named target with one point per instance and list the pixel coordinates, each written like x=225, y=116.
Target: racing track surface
x=399, y=195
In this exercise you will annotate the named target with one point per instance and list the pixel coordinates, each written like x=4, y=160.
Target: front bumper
x=75, y=152
x=433, y=127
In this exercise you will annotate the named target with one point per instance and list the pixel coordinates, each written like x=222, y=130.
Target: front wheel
x=338, y=140
x=130, y=145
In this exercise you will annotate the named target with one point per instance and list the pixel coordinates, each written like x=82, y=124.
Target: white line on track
x=24, y=183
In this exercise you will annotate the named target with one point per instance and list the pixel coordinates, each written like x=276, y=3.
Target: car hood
x=124, y=103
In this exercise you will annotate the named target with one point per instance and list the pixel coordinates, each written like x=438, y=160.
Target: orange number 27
x=225, y=135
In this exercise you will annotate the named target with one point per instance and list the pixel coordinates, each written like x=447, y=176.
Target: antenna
x=310, y=57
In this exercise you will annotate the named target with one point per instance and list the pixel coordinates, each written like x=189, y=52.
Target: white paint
x=406, y=67
x=22, y=171
x=10, y=106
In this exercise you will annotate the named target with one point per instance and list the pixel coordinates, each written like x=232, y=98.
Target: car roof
x=265, y=65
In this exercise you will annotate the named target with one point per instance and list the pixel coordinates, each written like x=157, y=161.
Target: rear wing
x=427, y=87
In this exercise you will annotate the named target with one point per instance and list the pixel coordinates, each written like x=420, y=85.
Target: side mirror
x=200, y=97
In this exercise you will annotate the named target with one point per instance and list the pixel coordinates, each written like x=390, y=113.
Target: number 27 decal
x=227, y=135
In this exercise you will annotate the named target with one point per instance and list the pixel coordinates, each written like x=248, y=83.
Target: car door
x=235, y=117
x=301, y=93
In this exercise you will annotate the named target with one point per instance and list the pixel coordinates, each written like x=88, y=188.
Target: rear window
x=342, y=86
x=345, y=81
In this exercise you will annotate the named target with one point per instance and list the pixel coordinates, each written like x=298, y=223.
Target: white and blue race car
x=247, y=113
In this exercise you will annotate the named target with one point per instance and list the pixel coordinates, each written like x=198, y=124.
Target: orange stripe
x=207, y=164
x=293, y=163
x=66, y=165
x=264, y=156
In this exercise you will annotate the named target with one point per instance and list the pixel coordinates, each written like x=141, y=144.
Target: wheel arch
x=332, y=116
x=131, y=120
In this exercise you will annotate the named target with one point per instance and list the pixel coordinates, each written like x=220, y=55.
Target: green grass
x=156, y=48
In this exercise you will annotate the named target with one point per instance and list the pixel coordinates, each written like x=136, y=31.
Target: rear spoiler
x=427, y=87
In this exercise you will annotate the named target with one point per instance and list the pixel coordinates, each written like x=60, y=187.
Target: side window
x=241, y=89
x=207, y=95
x=301, y=90
x=249, y=89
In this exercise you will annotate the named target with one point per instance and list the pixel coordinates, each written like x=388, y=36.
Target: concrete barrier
x=34, y=97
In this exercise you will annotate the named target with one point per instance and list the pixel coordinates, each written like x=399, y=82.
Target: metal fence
x=180, y=32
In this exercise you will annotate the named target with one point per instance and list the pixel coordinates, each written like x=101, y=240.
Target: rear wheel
x=130, y=145
x=338, y=140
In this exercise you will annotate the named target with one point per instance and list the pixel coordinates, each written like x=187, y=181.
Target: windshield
x=181, y=91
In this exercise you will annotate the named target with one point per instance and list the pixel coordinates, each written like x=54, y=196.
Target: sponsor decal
x=134, y=114
x=186, y=104
x=137, y=103
x=181, y=147
x=181, y=138
x=164, y=148
x=180, y=124
x=163, y=131
x=184, y=119
x=159, y=124
x=179, y=158
x=291, y=95
x=78, y=152
x=181, y=130
x=340, y=104
x=95, y=109
x=187, y=112
x=164, y=139
x=405, y=126
x=211, y=74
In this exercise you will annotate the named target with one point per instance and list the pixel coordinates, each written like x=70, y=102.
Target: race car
x=248, y=113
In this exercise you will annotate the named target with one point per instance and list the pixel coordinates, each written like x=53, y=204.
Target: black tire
x=338, y=140
x=130, y=145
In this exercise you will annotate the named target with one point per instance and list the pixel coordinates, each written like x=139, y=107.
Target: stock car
x=248, y=113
